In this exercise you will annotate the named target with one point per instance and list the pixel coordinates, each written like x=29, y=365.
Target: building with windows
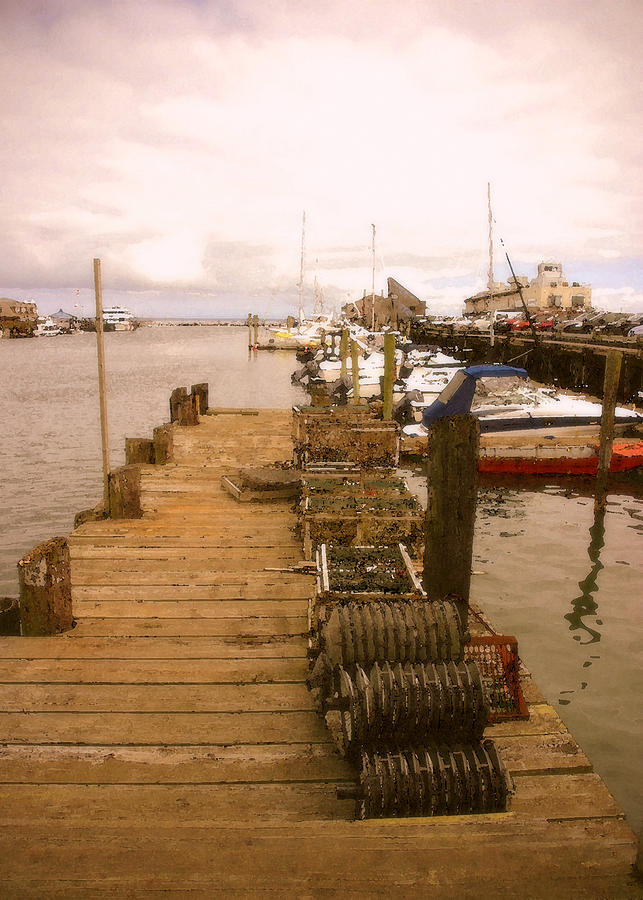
x=548, y=292
x=17, y=317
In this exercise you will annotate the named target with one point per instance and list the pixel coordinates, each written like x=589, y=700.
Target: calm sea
x=567, y=586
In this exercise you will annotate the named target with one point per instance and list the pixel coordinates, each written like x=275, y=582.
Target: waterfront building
x=549, y=292
x=398, y=306
x=17, y=317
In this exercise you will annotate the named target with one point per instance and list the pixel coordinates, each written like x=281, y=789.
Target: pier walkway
x=168, y=744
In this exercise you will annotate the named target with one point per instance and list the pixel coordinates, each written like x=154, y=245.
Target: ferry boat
x=117, y=318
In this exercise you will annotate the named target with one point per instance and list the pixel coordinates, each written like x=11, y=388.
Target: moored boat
x=46, y=327
x=548, y=432
x=117, y=318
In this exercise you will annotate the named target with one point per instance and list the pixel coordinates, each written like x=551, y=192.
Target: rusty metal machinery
x=401, y=705
x=431, y=780
x=393, y=631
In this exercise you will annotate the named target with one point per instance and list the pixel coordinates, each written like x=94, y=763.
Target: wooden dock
x=168, y=744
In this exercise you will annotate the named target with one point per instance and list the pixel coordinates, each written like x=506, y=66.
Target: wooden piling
x=610, y=389
x=355, y=367
x=452, y=476
x=249, y=331
x=255, y=326
x=44, y=578
x=343, y=353
x=389, y=376
x=100, y=346
x=200, y=394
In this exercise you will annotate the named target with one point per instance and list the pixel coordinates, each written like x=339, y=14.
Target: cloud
x=181, y=141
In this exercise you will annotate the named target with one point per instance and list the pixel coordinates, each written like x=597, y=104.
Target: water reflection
x=585, y=605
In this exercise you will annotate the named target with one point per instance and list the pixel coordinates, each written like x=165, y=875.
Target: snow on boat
x=545, y=432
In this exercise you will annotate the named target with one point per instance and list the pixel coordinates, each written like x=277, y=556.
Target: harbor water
x=545, y=568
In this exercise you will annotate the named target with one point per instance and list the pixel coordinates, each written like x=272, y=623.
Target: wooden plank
x=207, y=764
x=179, y=609
x=543, y=719
x=68, y=646
x=98, y=698
x=163, y=728
x=173, y=806
x=334, y=858
x=226, y=572
x=542, y=754
x=558, y=797
x=154, y=670
x=202, y=551
x=187, y=627
x=229, y=589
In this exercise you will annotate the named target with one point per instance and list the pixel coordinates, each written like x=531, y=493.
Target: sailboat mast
x=490, y=281
x=300, y=315
x=373, y=285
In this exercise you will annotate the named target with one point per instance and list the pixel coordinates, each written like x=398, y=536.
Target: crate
x=375, y=445
x=303, y=416
x=349, y=519
x=363, y=482
x=366, y=573
x=497, y=658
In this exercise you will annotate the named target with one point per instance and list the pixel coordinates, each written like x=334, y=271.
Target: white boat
x=518, y=408
x=117, y=318
x=46, y=327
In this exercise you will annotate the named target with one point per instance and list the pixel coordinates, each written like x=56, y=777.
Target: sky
x=180, y=141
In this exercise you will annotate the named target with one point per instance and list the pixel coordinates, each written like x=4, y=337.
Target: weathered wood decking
x=168, y=744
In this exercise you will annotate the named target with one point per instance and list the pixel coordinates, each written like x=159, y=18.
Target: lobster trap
x=359, y=518
x=397, y=706
x=432, y=780
x=499, y=664
x=333, y=438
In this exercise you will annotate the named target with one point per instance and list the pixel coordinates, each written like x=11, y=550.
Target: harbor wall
x=574, y=365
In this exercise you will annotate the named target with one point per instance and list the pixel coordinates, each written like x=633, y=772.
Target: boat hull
x=625, y=457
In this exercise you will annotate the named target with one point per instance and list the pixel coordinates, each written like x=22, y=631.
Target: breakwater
x=574, y=364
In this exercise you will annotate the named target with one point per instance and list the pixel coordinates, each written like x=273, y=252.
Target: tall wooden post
x=255, y=325
x=389, y=376
x=355, y=369
x=100, y=344
x=343, y=353
x=610, y=389
x=452, y=476
x=249, y=331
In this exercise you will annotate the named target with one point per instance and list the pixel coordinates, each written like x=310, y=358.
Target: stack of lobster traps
x=362, y=508
x=332, y=438
x=405, y=690
x=404, y=698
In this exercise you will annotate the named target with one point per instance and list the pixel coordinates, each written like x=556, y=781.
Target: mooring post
x=44, y=578
x=452, y=481
x=610, y=389
x=249, y=331
x=255, y=325
x=343, y=353
x=100, y=346
x=389, y=376
x=355, y=370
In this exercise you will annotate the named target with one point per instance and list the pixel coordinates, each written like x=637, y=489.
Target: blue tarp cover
x=457, y=396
